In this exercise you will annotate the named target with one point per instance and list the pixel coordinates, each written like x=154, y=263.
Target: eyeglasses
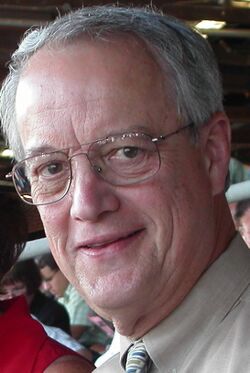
x=121, y=159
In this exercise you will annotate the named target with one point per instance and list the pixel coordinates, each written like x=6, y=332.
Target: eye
x=47, y=166
x=127, y=150
x=48, y=170
x=125, y=153
x=130, y=152
x=51, y=169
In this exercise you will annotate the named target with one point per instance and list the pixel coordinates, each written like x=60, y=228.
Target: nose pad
x=97, y=169
x=80, y=153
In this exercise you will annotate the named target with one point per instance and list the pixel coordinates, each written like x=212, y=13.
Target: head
x=185, y=58
x=242, y=219
x=132, y=240
x=53, y=279
x=13, y=232
x=23, y=278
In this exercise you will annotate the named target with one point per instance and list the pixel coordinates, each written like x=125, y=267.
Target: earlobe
x=215, y=139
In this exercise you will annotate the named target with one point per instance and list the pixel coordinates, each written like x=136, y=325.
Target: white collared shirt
x=210, y=330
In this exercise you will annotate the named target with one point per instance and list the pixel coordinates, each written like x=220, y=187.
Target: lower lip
x=112, y=247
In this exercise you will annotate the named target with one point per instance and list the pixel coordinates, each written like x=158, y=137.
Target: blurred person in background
x=242, y=219
x=82, y=317
x=25, y=346
x=54, y=282
x=25, y=278
x=238, y=171
x=64, y=338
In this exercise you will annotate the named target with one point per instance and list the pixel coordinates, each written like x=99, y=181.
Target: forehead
x=92, y=82
x=115, y=55
x=118, y=61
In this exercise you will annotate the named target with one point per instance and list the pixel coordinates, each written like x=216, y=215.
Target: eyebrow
x=31, y=152
x=34, y=151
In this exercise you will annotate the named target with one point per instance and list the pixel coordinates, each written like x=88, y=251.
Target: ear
x=215, y=139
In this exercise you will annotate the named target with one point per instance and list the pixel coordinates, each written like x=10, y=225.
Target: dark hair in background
x=47, y=260
x=13, y=231
x=26, y=272
x=241, y=208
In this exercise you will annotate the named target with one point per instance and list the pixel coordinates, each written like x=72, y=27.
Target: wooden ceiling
x=231, y=45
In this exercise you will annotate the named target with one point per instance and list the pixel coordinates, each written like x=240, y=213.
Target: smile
x=113, y=244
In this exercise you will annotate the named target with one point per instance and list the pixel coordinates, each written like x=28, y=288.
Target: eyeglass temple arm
x=164, y=137
x=8, y=176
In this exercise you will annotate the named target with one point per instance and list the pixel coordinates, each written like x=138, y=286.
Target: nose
x=91, y=196
x=46, y=286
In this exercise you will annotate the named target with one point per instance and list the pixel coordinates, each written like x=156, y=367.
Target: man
x=118, y=114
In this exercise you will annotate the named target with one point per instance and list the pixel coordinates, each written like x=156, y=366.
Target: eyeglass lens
x=120, y=160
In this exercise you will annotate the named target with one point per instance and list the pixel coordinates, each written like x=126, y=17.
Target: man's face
x=53, y=281
x=139, y=247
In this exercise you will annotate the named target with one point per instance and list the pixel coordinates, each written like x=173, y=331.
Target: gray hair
x=194, y=78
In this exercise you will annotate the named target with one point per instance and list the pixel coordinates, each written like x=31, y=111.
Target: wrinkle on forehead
x=57, y=90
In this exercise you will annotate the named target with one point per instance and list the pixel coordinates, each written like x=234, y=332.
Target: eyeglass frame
x=155, y=140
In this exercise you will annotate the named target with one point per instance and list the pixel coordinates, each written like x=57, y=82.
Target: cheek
x=54, y=219
x=56, y=228
x=174, y=201
x=156, y=205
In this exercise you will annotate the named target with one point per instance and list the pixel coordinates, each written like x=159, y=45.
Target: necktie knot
x=137, y=358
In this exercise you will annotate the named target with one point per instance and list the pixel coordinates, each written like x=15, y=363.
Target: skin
x=69, y=364
x=133, y=251
x=14, y=290
x=54, y=281
x=243, y=226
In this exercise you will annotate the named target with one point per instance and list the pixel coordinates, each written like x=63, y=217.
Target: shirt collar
x=197, y=316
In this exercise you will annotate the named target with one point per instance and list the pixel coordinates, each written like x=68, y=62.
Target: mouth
x=112, y=244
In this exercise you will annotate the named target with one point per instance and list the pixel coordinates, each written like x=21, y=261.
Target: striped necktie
x=137, y=359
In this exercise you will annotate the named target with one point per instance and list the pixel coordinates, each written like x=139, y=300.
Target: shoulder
x=55, y=306
x=70, y=364
x=54, y=354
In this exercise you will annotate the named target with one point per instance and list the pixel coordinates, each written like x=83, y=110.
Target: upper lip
x=105, y=239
